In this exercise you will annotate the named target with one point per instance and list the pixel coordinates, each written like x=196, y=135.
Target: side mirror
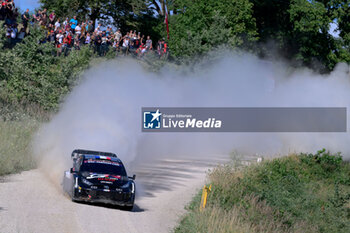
x=71, y=170
x=133, y=177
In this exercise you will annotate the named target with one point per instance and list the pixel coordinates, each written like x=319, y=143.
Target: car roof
x=91, y=152
x=101, y=157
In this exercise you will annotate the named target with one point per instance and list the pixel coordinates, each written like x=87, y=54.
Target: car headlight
x=125, y=185
x=132, y=187
x=86, y=182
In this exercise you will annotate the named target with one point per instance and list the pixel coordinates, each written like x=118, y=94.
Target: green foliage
x=30, y=73
x=204, y=25
x=311, y=22
x=300, y=28
x=306, y=193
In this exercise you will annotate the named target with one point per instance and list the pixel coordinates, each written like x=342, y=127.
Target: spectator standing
x=13, y=34
x=88, y=38
x=83, y=33
x=57, y=24
x=76, y=42
x=74, y=23
x=117, y=35
x=98, y=41
x=98, y=29
x=107, y=31
x=70, y=39
x=2, y=10
x=51, y=38
x=36, y=17
x=159, y=48
x=149, y=43
x=8, y=14
x=90, y=27
x=125, y=48
x=65, y=22
x=104, y=45
x=77, y=30
x=65, y=45
x=52, y=17
x=43, y=20
x=25, y=19
x=59, y=37
x=67, y=27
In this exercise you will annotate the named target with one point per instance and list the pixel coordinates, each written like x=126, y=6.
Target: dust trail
x=103, y=112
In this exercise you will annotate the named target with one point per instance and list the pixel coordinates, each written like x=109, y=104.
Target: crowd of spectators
x=70, y=33
x=9, y=14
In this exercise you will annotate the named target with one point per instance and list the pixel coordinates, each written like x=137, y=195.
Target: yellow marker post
x=205, y=193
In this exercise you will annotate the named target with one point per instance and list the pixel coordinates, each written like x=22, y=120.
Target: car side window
x=77, y=164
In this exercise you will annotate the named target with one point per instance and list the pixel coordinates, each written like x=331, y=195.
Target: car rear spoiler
x=78, y=152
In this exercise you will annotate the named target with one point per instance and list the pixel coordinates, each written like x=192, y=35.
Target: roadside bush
x=15, y=139
x=296, y=193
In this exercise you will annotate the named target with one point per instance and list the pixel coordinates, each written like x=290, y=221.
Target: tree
x=342, y=16
x=200, y=26
x=310, y=38
x=300, y=30
x=83, y=9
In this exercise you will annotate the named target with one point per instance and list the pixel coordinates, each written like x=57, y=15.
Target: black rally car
x=99, y=177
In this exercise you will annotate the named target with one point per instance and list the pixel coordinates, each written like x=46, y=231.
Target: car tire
x=128, y=208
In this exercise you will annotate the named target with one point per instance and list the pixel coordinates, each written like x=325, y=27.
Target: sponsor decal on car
x=105, y=177
x=102, y=162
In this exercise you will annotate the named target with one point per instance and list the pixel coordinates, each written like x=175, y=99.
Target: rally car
x=99, y=177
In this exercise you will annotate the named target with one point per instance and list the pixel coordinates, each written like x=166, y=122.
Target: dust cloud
x=104, y=111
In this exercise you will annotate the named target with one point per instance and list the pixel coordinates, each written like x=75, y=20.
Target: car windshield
x=103, y=166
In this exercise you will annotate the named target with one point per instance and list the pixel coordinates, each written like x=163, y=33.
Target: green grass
x=296, y=193
x=15, y=139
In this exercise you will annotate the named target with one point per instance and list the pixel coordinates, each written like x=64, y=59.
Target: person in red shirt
x=65, y=44
x=69, y=37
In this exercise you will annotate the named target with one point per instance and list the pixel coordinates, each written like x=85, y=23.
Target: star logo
x=156, y=115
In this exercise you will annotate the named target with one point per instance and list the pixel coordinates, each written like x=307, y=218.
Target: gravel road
x=29, y=202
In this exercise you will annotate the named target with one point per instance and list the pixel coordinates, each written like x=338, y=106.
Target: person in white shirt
x=78, y=30
x=126, y=43
x=65, y=22
x=98, y=29
x=117, y=35
x=13, y=33
x=125, y=48
x=59, y=37
x=57, y=24
x=88, y=39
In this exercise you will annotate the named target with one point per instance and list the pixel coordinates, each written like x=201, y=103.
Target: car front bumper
x=120, y=198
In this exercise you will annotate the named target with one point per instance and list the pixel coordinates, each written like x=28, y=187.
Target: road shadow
x=167, y=174
x=136, y=208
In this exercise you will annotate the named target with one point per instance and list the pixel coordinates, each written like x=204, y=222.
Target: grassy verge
x=15, y=138
x=296, y=193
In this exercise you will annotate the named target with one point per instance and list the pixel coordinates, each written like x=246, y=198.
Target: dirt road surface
x=30, y=203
